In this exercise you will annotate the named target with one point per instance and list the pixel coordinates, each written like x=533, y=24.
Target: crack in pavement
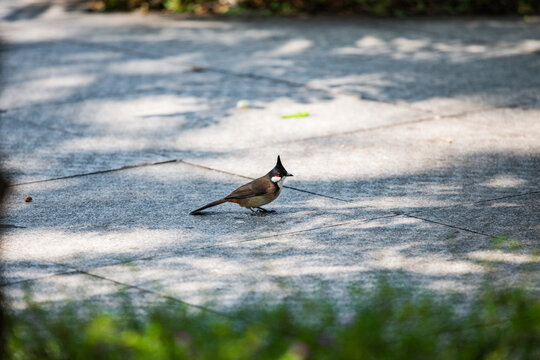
x=508, y=196
x=410, y=214
x=39, y=277
x=159, y=294
x=306, y=230
x=409, y=122
x=128, y=167
x=471, y=202
x=87, y=271
x=98, y=172
x=192, y=305
x=448, y=225
x=350, y=132
x=256, y=76
x=418, y=212
x=250, y=178
x=250, y=75
x=195, y=249
x=74, y=270
x=364, y=220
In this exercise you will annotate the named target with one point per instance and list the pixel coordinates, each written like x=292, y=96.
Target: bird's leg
x=266, y=211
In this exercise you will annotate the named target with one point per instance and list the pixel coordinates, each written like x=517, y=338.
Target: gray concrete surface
x=422, y=145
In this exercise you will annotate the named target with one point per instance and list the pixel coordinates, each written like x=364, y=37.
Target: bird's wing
x=254, y=188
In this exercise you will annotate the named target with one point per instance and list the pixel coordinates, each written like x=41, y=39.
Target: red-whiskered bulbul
x=257, y=193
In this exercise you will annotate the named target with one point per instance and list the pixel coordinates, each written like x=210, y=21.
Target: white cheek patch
x=276, y=178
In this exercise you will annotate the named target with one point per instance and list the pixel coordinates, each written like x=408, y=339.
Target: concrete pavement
x=421, y=146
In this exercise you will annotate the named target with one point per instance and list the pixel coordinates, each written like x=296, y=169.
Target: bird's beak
x=289, y=174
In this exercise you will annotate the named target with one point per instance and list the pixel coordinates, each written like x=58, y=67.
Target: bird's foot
x=266, y=211
x=260, y=212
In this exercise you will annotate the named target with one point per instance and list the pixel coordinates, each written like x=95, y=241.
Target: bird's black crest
x=280, y=169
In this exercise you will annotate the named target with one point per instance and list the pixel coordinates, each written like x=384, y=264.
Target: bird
x=256, y=193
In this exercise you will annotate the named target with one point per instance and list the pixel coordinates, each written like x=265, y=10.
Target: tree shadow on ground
x=102, y=222
x=132, y=62
x=384, y=60
x=129, y=226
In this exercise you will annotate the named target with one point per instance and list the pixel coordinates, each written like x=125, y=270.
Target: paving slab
x=415, y=166
x=428, y=64
x=407, y=251
x=401, y=120
x=92, y=109
x=143, y=212
x=101, y=134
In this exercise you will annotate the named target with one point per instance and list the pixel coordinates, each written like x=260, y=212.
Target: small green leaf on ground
x=300, y=114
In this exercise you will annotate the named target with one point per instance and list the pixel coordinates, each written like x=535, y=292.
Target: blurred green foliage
x=385, y=322
x=3, y=306
x=504, y=242
x=398, y=8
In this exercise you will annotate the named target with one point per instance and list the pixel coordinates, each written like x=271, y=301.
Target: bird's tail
x=196, y=212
